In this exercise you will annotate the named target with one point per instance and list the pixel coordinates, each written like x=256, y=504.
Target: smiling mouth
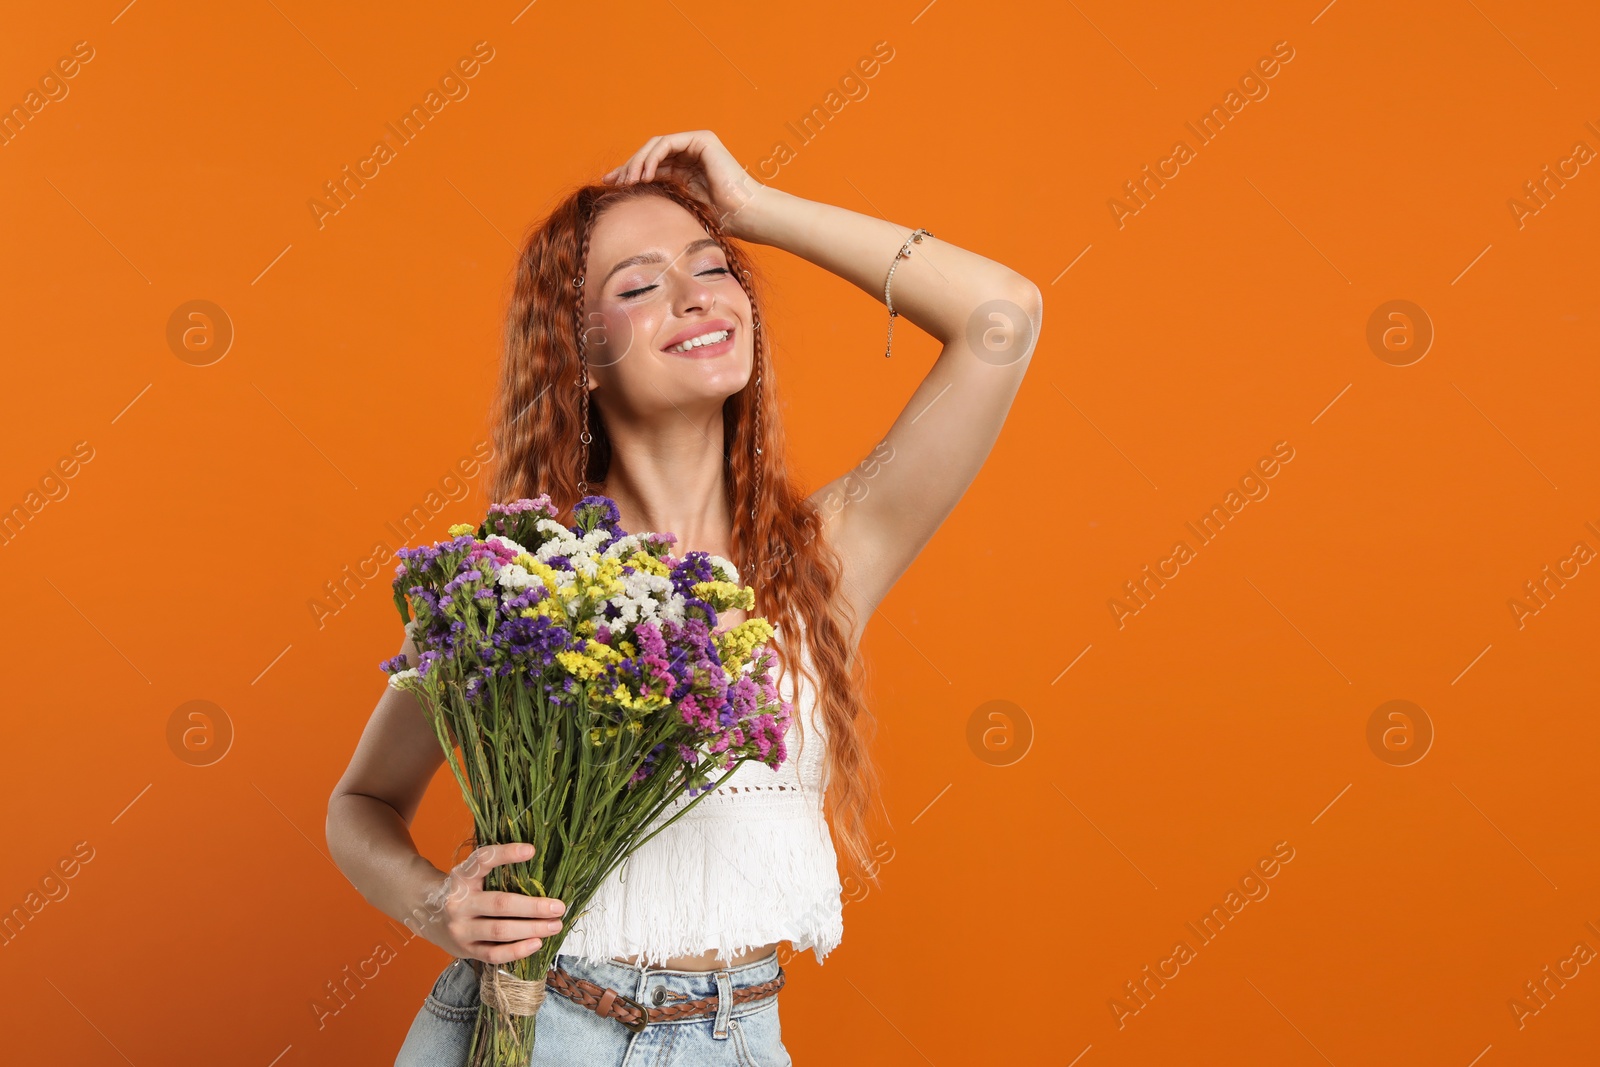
x=710, y=343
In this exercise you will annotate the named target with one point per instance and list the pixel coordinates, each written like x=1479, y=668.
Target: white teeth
x=701, y=341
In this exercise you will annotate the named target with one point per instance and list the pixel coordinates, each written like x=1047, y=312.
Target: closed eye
x=646, y=289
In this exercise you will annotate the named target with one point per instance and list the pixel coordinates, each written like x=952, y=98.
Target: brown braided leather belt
x=610, y=1004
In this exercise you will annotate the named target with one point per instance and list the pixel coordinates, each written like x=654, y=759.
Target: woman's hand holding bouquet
x=579, y=687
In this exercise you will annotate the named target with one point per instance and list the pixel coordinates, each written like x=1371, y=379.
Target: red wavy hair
x=782, y=551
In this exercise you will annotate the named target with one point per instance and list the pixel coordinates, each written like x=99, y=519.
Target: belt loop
x=638, y=993
x=724, y=1003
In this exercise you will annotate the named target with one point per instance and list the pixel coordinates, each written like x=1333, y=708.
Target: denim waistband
x=653, y=986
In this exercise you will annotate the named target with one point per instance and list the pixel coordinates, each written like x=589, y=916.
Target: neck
x=669, y=478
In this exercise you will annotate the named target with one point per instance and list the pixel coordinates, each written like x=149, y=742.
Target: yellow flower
x=579, y=665
x=550, y=578
x=648, y=564
x=725, y=595
x=737, y=644
x=550, y=609
x=645, y=702
x=607, y=581
x=461, y=528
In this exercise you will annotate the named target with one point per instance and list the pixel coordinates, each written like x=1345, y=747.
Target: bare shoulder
x=398, y=753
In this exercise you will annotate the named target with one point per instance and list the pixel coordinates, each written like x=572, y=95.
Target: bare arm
x=986, y=315
x=988, y=318
x=371, y=809
x=369, y=835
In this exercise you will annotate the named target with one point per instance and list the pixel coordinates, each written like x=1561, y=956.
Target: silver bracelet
x=904, y=253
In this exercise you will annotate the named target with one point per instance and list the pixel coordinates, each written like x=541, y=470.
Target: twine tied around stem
x=508, y=994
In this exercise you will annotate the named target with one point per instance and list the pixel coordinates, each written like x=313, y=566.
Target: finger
x=667, y=147
x=667, y=171
x=658, y=147
x=472, y=869
x=520, y=905
x=620, y=172
x=506, y=953
x=684, y=167
x=678, y=142
x=492, y=931
x=635, y=164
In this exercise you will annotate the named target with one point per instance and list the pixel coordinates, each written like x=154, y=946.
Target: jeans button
x=660, y=995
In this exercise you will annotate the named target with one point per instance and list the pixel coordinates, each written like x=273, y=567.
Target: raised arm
x=987, y=316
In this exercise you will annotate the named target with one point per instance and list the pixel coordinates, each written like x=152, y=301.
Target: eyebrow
x=656, y=257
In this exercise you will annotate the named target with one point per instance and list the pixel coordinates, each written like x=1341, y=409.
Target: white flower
x=641, y=597
x=726, y=564
x=515, y=576
x=623, y=547
x=398, y=676
x=563, y=543
x=673, y=609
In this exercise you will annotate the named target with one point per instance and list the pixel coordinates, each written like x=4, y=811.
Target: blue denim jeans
x=745, y=1035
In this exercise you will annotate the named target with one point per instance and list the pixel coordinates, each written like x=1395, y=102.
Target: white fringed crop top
x=751, y=863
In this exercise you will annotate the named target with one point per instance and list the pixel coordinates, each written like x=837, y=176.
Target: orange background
x=1230, y=313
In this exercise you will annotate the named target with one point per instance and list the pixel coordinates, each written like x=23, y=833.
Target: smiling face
x=654, y=280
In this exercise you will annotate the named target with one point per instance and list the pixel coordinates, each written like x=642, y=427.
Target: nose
x=691, y=294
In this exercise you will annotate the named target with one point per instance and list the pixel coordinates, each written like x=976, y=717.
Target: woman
x=638, y=366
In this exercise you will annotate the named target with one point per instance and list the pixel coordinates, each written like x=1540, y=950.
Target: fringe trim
x=743, y=869
x=731, y=878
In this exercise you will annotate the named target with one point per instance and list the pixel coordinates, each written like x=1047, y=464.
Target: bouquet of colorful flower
x=581, y=675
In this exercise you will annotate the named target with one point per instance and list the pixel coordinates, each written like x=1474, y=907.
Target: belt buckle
x=644, y=1014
